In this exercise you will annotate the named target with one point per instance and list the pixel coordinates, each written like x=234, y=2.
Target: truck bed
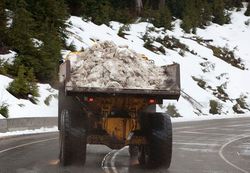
x=170, y=91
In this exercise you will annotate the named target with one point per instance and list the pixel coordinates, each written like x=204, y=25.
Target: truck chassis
x=115, y=118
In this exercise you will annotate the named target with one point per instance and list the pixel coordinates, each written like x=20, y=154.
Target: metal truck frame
x=116, y=118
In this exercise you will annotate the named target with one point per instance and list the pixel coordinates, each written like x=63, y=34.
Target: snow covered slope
x=197, y=54
x=205, y=78
x=24, y=108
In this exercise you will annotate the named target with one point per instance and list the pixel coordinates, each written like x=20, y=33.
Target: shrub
x=220, y=92
x=172, y=111
x=24, y=85
x=227, y=56
x=247, y=22
x=4, y=111
x=162, y=50
x=122, y=30
x=148, y=45
x=71, y=47
x=2, y=67
x=200, y=82
x=215, y=107
x=236, y=108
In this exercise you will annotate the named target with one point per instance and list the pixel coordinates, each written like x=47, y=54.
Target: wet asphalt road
x=217, y=146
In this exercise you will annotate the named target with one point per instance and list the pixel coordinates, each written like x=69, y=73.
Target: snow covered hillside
x=205, y=75
x=46, y=105
x=210, y=85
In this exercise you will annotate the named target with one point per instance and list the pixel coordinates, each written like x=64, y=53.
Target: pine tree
x=105, y=13
x=19, y=86
x=24, y=85
x=247, y=13
x=52, y=12
x=3, y=21
x=218, y=12
x=21, y=30
x=32, y=83
x=191, y=16
x=206, y=15
x=176, y=7
x=233, y=3
x=162, y=18
x=76, y=7
x=186, y=24
x=48, y=55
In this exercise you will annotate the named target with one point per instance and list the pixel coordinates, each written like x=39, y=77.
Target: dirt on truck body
x=115, y=116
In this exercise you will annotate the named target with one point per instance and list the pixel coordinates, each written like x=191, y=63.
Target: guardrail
x=15, y=124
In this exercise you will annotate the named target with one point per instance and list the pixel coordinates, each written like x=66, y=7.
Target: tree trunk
x=161, y=3
x=138, y=6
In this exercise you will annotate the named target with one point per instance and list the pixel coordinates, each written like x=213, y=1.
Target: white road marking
x=105, y=161
x=219, y=134
x=104, y=165
x=199, y=150
x=201, y=144
x=114, y=157
x=26, y=144
x=227, y=161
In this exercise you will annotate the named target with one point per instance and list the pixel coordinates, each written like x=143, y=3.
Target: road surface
x=216, y=146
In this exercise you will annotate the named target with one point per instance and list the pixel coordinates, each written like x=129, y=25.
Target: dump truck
x=116, y=117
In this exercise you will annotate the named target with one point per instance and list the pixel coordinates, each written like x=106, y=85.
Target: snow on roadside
x=24, y=108
x=26, y=132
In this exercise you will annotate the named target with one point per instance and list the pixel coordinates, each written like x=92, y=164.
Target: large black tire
x=61, y=100
x=64, y=139
x=133, y=151
x=72, y=123
x=72, y=140
x=158, y=131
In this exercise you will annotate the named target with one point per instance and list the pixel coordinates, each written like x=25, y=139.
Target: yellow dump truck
x=116, y=118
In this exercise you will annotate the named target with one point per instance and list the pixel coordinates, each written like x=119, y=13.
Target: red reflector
x=90, y=99
x=151, y=101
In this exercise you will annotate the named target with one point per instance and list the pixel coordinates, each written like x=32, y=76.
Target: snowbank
x=24, y=108
x=26, y=132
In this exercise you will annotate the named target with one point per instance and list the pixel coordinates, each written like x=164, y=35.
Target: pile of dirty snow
x=105, y=65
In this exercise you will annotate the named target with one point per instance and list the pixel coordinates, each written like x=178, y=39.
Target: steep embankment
x=214, y=63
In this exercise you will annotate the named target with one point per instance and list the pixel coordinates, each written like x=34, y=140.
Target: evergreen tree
x=2, y=16
x=52, y=12
x=24, y=85
x=32, y=83
x=186, y=24
x=176, y=7
x=76, y=7
x=191, y=16
x=233, y=3
x=104, y=13
x=218, y=12
x=3, y=22
x=206, y=15
x=19, y=86
x=48, y=55
x=162, y=18
x=21, y=31
x=247, y=13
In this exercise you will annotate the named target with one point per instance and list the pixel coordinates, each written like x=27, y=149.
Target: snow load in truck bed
x=105, y=65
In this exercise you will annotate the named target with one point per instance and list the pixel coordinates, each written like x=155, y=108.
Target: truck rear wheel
x=72, y=140
x=133, y=151
x=64, y=139
x=158, y=131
